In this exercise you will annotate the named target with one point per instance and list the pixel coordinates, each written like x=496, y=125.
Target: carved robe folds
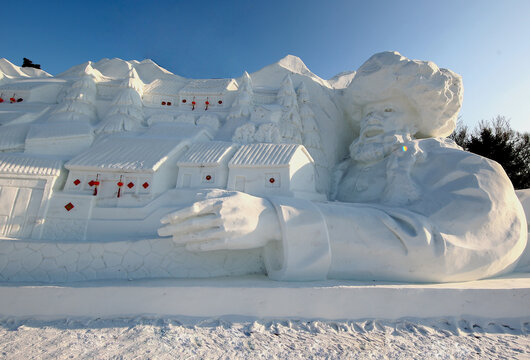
x=432, y=213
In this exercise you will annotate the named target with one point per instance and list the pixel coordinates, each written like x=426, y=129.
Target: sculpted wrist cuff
x=304, y=252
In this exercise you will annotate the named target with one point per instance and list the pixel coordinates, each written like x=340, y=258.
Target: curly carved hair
x=436, y=94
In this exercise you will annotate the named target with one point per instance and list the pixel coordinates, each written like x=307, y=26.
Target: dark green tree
x=496, y=140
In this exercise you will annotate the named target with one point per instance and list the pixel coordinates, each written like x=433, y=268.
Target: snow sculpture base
x=258, y=297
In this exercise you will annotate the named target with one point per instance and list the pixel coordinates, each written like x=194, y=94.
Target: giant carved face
x=383, y=125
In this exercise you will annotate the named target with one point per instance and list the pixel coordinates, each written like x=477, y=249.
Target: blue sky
x=487, y=42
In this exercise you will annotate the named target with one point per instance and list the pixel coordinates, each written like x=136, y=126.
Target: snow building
x=63, y=139
x=125, y=170
x=205, y=165
x=273, y=169
x=162, y=93
x=34, y=90
x=26, y=184
x=208, y=94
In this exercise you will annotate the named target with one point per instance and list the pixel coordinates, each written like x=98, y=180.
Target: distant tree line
x=496, y=140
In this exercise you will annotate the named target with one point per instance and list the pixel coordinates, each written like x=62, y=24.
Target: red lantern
x=1, y=100
x=120, y=184
x=12, y=100
x=20, y=100
x=193, y=103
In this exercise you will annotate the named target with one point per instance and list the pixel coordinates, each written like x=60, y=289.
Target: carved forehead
x=435, y=94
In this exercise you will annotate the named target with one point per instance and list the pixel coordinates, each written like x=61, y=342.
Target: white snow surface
x=225, y=338
x=9, y=71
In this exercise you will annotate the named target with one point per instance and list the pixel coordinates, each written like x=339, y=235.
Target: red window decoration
x=163, y=103
x=1, y=100
x=130, y=185
x=69, y=206
x=145, y=185
x=220, y=102
x=12, y=100
x=77, y=182
x=183, y=101
x=96, y=183
x=208, y=177
x=20, y=100
x=272, y=180
x=120, y=184
x=193, y=103
x=92, y=183
x=169, y=103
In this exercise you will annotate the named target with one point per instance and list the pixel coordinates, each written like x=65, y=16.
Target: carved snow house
x=126, y=170
x=26, y=184
x=34, y=90
x=205, y=165
x=273, y=169
x=208, y=94
x=162, y=92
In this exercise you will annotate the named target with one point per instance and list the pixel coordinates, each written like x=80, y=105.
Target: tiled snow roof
x=266, y=155
x=207, y=153
x=12, y=137
x=178, y=131
x=22, y=164
x=209, y=86
x=50, y=131
x=163, y=87
x=130, y=154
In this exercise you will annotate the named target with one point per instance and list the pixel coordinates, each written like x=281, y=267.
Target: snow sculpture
x=242, y=106
x=126, y=112
x=291, y=124
x=404, y=205
x=244, y=134
x=311, y=136
x=210, y=120
x=410, y=207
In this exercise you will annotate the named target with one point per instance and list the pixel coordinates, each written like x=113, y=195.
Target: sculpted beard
x=378, y=147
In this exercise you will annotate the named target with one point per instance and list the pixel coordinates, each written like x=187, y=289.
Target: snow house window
x=272, y=179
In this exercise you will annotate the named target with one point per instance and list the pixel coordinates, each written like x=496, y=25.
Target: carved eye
x=389, y=110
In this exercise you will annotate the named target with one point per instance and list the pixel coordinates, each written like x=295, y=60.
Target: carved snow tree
x=290, y=123
x=79, y=101
x=243, y=104
x=311, y=132
x=126, y=113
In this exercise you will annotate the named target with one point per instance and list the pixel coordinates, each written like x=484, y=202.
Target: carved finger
x=191, y=225
x=199, y=208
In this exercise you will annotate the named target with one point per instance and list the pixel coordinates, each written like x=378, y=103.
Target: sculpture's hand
x=233, y=221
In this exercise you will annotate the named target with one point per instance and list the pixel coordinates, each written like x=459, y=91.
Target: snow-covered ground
x=175, y=338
